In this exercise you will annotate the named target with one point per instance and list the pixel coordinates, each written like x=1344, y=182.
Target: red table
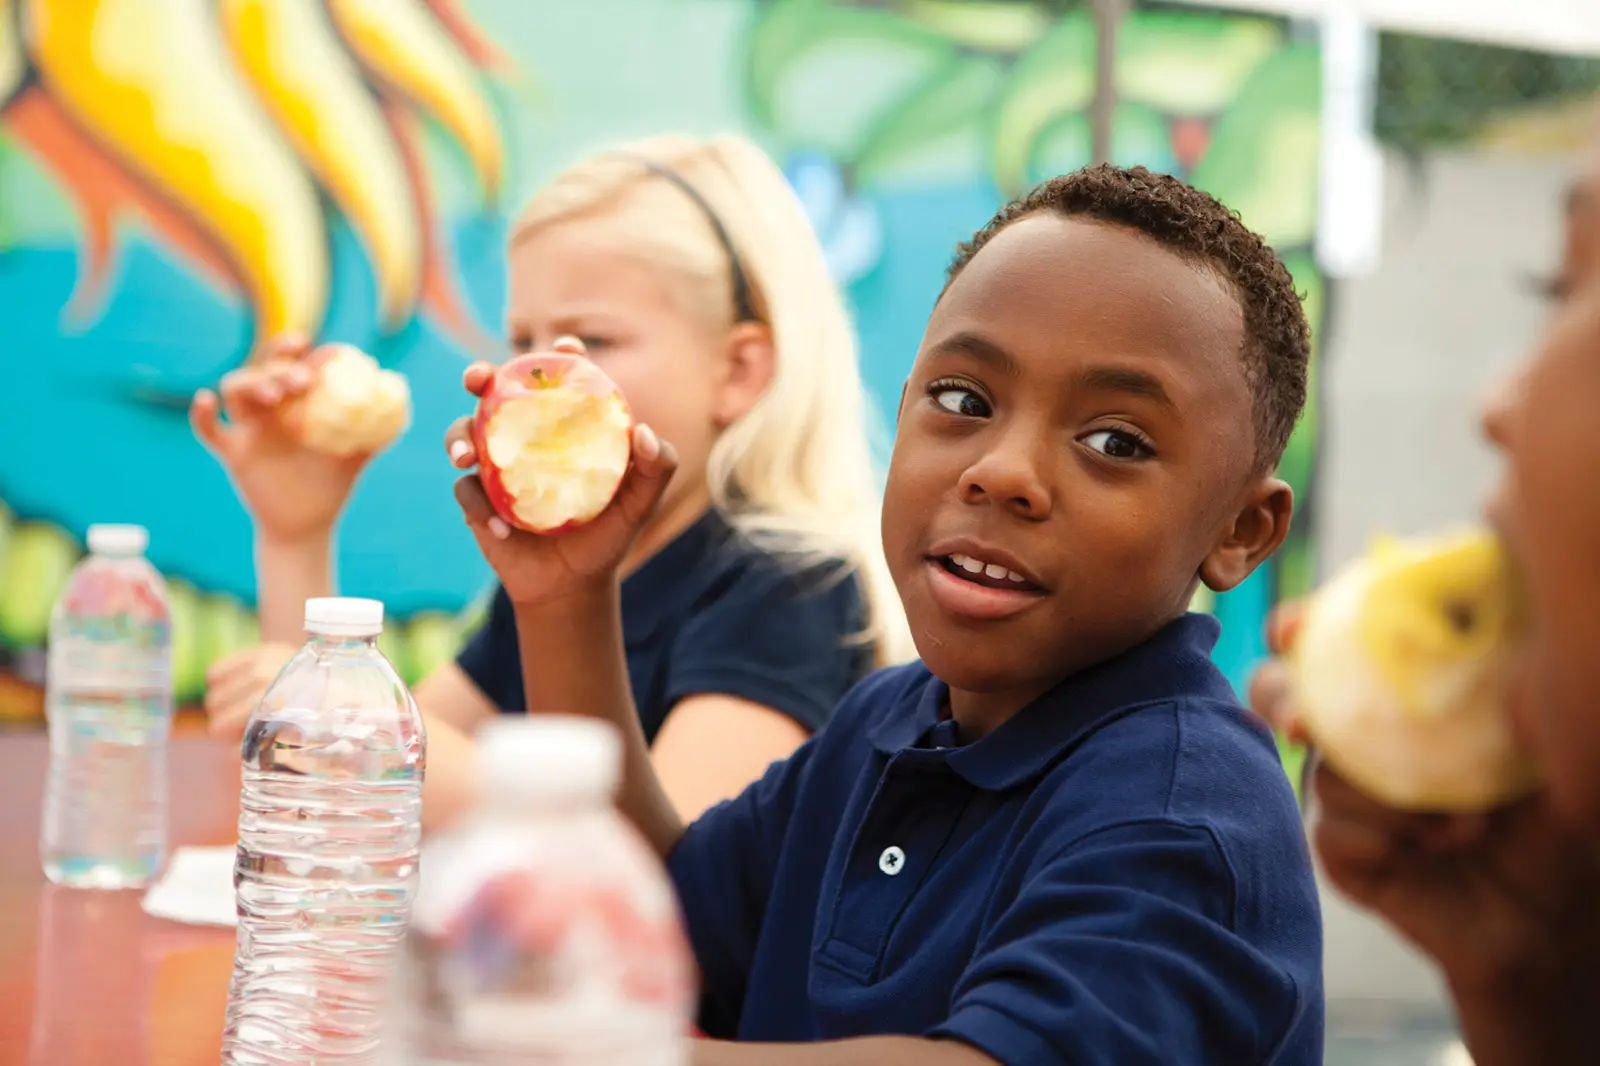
x=87, y=978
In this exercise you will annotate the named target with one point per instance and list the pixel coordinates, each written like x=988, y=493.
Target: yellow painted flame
x=218, y=123
x=398, y=39
x=147, y=79
x=313, y=88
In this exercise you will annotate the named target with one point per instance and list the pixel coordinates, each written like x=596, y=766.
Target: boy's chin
x=979, y=665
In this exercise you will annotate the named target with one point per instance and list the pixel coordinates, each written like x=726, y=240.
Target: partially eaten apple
x=354, y=407
x=1400, y=671
x=554, y=437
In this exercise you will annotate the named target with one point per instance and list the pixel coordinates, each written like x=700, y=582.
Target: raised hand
x=291, y=491
x=540, y=568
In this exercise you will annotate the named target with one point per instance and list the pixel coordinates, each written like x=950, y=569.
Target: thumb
x=654, y=462
x=205, y=418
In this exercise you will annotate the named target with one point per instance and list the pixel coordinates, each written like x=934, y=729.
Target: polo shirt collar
x=654, y=594
x=1173, y=663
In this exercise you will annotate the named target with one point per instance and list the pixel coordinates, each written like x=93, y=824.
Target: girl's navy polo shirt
x=1118, y=874
x=712, y=614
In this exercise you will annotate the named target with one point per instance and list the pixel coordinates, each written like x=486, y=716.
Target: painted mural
x=180, y=179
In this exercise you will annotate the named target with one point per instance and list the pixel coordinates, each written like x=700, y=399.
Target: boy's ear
x=746, y=373
x=1258, y=528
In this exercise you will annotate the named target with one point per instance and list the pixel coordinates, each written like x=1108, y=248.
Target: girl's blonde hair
x=797, y=472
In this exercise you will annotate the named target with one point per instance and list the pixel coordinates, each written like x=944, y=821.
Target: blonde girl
x=758, y=593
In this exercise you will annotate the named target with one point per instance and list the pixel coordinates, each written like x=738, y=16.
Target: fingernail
x=568, y=343
x=498, y=527
x=459, y=450
x=645, y=439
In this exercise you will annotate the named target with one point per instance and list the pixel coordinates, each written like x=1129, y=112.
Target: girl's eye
x=594, y=344
x=521, y=345
x=1117, y=444
x=959, y=401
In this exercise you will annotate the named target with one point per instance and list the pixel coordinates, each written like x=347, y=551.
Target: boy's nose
x=1009, y=477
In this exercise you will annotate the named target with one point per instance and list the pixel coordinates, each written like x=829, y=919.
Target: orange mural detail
x=223, y=127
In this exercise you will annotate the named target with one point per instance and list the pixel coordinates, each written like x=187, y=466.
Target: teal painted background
x=902, y=123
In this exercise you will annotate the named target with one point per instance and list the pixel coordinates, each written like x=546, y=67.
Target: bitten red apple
x=354, y=406
x=553, y=436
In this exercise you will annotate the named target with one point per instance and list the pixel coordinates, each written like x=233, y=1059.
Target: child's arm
x=573, y=662
x=565, y=594
x=865, y=1051
x=293, y=493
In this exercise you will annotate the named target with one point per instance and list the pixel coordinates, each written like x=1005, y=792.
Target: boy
x=1057, y=838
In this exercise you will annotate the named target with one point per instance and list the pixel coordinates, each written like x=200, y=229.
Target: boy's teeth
x=994, y=570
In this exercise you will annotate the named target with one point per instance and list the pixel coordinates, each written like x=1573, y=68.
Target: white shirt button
x=892, y=861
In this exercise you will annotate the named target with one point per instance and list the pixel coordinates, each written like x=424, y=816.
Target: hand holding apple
x=353, y=406
x=292, y=490
x=565, y=478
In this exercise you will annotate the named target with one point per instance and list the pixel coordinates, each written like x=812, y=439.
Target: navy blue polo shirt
x=712, y=614
x=1118, y=874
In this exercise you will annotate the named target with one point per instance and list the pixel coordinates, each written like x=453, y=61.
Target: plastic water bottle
x=545, y=929
x=108, y=699
x=329, y=828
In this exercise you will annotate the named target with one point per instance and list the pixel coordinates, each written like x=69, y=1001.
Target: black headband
x=744, y=309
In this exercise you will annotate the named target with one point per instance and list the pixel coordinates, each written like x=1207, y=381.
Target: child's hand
x=290, y=491
x=1503, y=901
x=1271, y=696
x=1487, y=896
x=537, y=569
x=235, y=684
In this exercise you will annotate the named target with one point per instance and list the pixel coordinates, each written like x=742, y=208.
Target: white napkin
x=196, y=888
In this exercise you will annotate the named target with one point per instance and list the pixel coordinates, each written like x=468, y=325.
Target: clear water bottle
x=108, y=698
x=545, y=929
x=329, y=829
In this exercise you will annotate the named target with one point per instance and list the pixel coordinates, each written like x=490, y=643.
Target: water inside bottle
x=329, y=832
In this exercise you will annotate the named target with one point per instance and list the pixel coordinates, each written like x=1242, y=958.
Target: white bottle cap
x=344, y=616
x=118, y=540
x=544, y=758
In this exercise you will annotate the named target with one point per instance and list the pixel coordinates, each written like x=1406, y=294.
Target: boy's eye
x=958, y=400
x=1117, y=444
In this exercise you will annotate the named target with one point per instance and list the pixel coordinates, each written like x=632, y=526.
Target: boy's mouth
x=989, y=575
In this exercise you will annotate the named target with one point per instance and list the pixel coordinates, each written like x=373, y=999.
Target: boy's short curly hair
x=1277, y=348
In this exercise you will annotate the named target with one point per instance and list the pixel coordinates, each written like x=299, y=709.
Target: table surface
x=87, y=978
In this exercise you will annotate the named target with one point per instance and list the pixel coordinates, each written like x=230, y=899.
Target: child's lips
x=968, y=599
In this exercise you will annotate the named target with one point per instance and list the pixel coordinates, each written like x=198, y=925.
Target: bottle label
x=100, y=657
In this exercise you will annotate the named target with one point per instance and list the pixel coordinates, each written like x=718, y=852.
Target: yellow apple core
x=356, y=406
x=561, y=453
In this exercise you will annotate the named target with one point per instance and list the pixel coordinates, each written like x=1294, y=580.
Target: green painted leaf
x=1183, y=64
x=188, y=672
x=38, y=560
x=1262, y=159
x=435, y=639
x=1299, y=458
x=821, y=76
x=1139, y=137
x=1053, y=78
x=940, y=132
x=392, y=642
x=990, y=25
x=223, y=626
